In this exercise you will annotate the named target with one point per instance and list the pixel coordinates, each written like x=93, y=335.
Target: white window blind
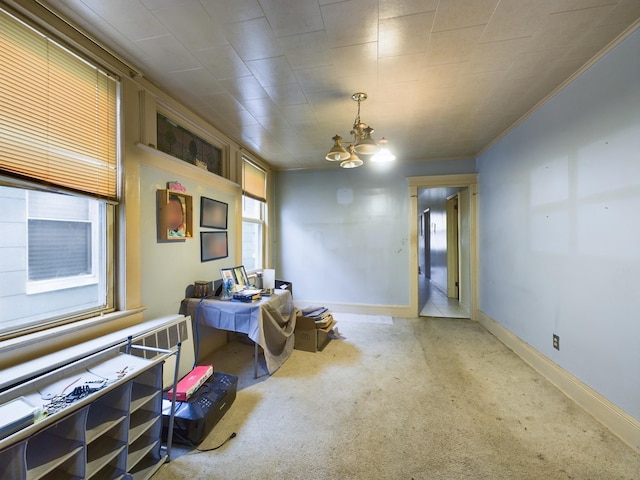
x=254, y=181
x=58, y=114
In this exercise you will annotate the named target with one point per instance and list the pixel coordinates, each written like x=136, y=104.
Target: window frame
x=52, y=284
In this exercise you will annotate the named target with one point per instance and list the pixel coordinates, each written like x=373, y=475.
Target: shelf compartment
x=147, y=466
x=53, y=446
x=46, y=457
x=142, y=394
x=12, y=459
x=72, y=469
x=140, y=422
x=140, y=448
x=102, y=420
x=107, y=448
x=111, y=471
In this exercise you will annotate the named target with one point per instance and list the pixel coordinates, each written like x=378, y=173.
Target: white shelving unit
x=112, y=433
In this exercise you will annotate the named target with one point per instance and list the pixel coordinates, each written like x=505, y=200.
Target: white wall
x=342, y=235
x=559, y=231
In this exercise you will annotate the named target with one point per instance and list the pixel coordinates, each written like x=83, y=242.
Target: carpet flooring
x=427, y=398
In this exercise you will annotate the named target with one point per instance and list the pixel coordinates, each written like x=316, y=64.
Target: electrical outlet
x=556, y=342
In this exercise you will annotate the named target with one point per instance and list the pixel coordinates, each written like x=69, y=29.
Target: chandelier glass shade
x=362, y=143
x=383, y=155
x=353, y=161
x=337, y=152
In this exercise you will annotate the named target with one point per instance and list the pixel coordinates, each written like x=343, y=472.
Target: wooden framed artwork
x=174, y=215
x=213, y=246
x=213, y=213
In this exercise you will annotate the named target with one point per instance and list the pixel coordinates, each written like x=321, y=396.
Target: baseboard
x=364, y=309
x=615, y=419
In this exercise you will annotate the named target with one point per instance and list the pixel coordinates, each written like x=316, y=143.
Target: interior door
x=426, y=228
x=453, y=253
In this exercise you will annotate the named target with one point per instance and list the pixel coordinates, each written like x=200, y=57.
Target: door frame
x=469, y=180
x=453, y=246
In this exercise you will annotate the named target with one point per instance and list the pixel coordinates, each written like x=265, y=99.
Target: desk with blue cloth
x=269, y=322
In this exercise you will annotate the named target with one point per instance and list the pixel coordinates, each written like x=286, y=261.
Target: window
x=252, y=233
x=59, y=160
x=53, y=258
x=254, y=208
x=185, y=145
x=64, y=241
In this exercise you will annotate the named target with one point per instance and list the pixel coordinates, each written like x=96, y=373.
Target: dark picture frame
x=213, y=213
x=213, y=246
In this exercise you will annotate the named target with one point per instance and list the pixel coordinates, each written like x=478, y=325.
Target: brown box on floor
x=308, y=337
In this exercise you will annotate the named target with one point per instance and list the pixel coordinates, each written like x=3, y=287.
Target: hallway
x=435, y=303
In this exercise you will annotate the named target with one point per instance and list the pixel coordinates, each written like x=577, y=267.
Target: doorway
x=448, y=189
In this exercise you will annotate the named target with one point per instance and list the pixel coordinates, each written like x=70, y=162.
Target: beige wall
x=151, y=277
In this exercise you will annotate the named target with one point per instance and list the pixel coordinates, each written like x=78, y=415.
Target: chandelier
x=362, y=143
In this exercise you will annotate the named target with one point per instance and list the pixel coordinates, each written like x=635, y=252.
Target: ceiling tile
x=191, y=25
x=404, y=35
x=272, y=71
x=572, y=5
x=306, y=50
x=624, y=11
x=351, y=23
x=130, y=17
x=259, y=107
x=230, y=108
x=399, y=8
x=284, y=95
x=515, y=19
x=292, y=18
x=317, y=79
x=198, y=81
x=568, y=28
x=252, y=39
x=225, y=12
x=156, y=4
x=401, y=69
x=244, y=88
x=493, y=56
x=361, y=58
x=454, y=14
x=223, y=62
x=452, y=46
x=167, y=54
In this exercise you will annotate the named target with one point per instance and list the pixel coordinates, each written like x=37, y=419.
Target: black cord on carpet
x=202, y=450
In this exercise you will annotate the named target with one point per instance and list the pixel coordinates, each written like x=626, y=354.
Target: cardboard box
x=308, y=337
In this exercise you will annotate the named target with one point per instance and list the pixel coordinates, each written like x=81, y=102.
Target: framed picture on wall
x=174, y=215
x=213, y=246
x=213, y=214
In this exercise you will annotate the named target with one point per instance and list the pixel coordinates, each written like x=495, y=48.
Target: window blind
x=254, y=181
x=58, y=114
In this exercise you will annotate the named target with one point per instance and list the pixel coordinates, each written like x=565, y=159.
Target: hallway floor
x=436, y=303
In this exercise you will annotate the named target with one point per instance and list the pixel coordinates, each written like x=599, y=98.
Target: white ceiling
x=444, y=77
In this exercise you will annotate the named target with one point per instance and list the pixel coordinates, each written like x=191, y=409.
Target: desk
x=269, y=322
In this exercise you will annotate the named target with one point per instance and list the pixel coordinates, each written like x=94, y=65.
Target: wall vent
x=167, y=336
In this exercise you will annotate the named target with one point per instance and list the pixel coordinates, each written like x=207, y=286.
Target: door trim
x=469, y=180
